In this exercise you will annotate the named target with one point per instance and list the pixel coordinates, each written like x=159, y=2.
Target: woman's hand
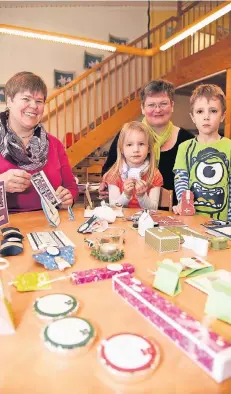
x=65, y=196
x=16, y=181
x=177, y=209
x=141, y=188
x=129, y=185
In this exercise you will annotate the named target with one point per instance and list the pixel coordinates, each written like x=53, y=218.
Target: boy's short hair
x=155, y=87
x=23, y=81
x=208, y=91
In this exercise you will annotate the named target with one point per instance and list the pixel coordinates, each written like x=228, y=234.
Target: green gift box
x=162, y=240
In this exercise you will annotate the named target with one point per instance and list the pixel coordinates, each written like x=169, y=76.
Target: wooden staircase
x=89, y=111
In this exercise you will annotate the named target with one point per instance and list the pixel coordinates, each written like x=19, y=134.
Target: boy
x=203, y=164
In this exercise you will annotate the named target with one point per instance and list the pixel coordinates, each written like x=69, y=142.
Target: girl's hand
x=129, y=185
x=141, y=188
x=103, y=191
x=177, y=209
x=16, y=181
x=65, y=196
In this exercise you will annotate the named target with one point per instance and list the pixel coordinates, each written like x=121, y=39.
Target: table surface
x=27, y=366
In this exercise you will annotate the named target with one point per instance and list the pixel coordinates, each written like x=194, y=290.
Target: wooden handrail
x=98, y=66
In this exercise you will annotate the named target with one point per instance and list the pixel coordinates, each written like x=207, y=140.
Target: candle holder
x=109, y=246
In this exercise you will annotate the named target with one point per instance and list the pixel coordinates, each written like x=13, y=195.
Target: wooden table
x=27, y=367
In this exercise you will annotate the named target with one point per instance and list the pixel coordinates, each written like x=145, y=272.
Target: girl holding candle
x=134, y=181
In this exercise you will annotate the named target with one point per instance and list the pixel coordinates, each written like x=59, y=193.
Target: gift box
x=209, y=350
x=162, y=240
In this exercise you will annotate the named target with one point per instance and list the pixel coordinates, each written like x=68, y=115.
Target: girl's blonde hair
x=114, y=172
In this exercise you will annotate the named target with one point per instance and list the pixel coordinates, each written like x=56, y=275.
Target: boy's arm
x=229, y=210
x=181, y=183
x=181, y=179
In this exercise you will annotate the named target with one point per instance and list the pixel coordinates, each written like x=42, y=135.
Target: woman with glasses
x=26, y=148
x=157, y=103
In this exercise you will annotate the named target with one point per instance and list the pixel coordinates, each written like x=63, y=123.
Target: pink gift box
x=209, y=350
x=101, y=273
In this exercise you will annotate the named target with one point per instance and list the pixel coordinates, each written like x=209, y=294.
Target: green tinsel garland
x=100, y=256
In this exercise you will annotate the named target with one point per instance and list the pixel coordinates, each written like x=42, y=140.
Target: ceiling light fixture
x=69, y=39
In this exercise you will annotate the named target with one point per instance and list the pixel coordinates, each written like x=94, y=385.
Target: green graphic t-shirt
x=208, y=167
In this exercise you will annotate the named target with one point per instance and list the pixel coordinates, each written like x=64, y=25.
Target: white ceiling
x=53, y=3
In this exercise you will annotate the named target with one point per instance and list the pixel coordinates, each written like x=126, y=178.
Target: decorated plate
x=68, y=333
x=55, y=306
x=128, y=355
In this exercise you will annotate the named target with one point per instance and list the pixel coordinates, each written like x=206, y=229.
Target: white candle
x=108, y=249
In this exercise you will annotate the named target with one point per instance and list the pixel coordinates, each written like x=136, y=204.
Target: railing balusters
x=80, y=109
x=72, y=115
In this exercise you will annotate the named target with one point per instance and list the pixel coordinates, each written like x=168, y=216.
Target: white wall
x=40, y=57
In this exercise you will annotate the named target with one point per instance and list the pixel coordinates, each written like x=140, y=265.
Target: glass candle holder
x=109, y=245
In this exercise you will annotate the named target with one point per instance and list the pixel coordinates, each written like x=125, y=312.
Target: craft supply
x=218, y=243
x=51, y=238
x=101, y=273
x=51, y=212
x=108, y=249
x=4, y=218
x=187, y=203
x=194, y=266
x=128, y=357
x=69, y=334
x=208, y=349
x=71, y=215
x=219, y=230
x=218, y=303
x=10, y=248
x=55, y=306
x=145, y=222
x=53, y=250
x=9, y=232
x=44, y=188
x=6, y=312
x=198, y=245
x=162, y=240
x=168, y=221
x=32, y=281
x=167, y=277
x=66, y=258
x=61, y=263
x=204, y=282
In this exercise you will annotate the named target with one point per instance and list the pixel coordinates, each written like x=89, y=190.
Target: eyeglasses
x=163, y=105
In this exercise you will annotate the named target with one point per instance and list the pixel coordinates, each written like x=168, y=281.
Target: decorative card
x=4, y=219
x=194, y=266
x=53, y=262
x=44, y=188
x=32, y=281
x=167, y=277
x=219, y=300
x=204, y=282
x=45, y=238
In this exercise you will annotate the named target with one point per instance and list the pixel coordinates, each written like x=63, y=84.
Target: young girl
x=133, y=181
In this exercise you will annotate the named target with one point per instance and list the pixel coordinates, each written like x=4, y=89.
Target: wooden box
x=162, y=240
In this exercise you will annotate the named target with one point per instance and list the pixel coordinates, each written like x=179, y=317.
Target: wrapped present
x=102, y=273
x=162, y=240
x=208, y=349
x=187, y=203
